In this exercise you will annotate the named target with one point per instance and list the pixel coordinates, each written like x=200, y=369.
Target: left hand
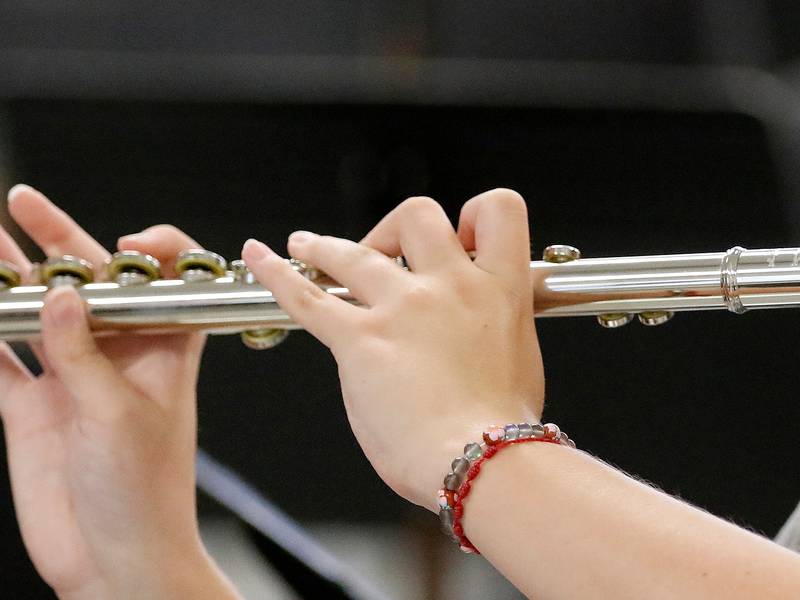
x=436, y=354
x=101, y=445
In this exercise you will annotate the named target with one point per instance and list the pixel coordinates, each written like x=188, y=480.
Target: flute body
x=612, y=289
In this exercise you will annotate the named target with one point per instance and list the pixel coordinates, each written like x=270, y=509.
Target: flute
x=219, y=298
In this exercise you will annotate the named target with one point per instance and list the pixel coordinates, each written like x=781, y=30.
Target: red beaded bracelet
x=458, y=483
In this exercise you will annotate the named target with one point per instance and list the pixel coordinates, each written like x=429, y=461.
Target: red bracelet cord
x=466, y=486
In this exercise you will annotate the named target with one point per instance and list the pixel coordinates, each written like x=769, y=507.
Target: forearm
x=561, y=524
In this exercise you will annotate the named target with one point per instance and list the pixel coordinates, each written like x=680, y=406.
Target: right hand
x=436, y=354
x=101, y=445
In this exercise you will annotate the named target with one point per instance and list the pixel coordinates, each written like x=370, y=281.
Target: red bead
x=552, y=432
x=446, y=498
x=494, y=435
x=552, y=435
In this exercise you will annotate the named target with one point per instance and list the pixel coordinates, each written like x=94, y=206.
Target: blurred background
x=630, y=127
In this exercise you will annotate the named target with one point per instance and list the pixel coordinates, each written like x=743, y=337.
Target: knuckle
x=377, y=265
x=164, y=228
x=508, y=200
x=77, y=354
x=377, y=326
x=167, y=231
x=421, y=205
x=309, y=297
x=464, y=287
x=317, y=243
x=359, y=253
x=60, y=238
x=419, y=295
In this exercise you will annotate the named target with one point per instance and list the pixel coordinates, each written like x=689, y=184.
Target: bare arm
x=561, y=524
x=439, y=353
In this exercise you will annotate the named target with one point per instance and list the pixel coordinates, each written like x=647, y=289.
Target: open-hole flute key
x=220, y=298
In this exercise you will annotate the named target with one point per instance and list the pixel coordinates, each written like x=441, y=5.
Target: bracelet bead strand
x=464, y=470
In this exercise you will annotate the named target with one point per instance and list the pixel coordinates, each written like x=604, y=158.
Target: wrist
x=201, y=580
x=191, y=575
x=434, y=459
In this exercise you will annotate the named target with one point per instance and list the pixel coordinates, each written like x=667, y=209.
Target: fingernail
x=133, y=237
x=137, y=237
x=18, y=189
x=254, y=250
x=62, y=307
x=300, y=237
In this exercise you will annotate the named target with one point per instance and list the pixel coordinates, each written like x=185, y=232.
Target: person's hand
x=436, y=354
x=101, y=445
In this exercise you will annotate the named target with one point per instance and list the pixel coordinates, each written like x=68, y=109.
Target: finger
x=9, y=250
x=98, y=389
x=163, y=242
x=321, y=314
x=495, y=225
x=11, y=253
x=51, y=228
x=13, y=374
x=368, y=274
x=419, y=230
x=16, y=407
x=22, y=409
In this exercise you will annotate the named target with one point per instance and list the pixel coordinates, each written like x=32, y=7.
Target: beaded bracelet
x=465, y=469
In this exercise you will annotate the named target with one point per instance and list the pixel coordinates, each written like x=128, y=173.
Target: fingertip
x=508, y=195
x=301, y=237
x=26, y=203
x=22, y=191
x=254, y=251
x=19, y=190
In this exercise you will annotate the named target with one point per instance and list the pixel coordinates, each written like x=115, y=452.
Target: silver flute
x=216, y=297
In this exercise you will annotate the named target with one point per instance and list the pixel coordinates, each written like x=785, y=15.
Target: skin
x=101, y=445
x=439, y=353
x=451, y=343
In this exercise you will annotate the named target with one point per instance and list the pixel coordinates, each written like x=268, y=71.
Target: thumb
x=98, y=388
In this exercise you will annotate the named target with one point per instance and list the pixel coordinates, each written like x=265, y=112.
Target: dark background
x=631, y=128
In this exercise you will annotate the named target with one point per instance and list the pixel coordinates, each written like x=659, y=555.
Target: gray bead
x=538, y=430
x=460, y=466
x=452, y=482
x=525, y=430
x=446, y=521
x=472, y=451
x=512, y=431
